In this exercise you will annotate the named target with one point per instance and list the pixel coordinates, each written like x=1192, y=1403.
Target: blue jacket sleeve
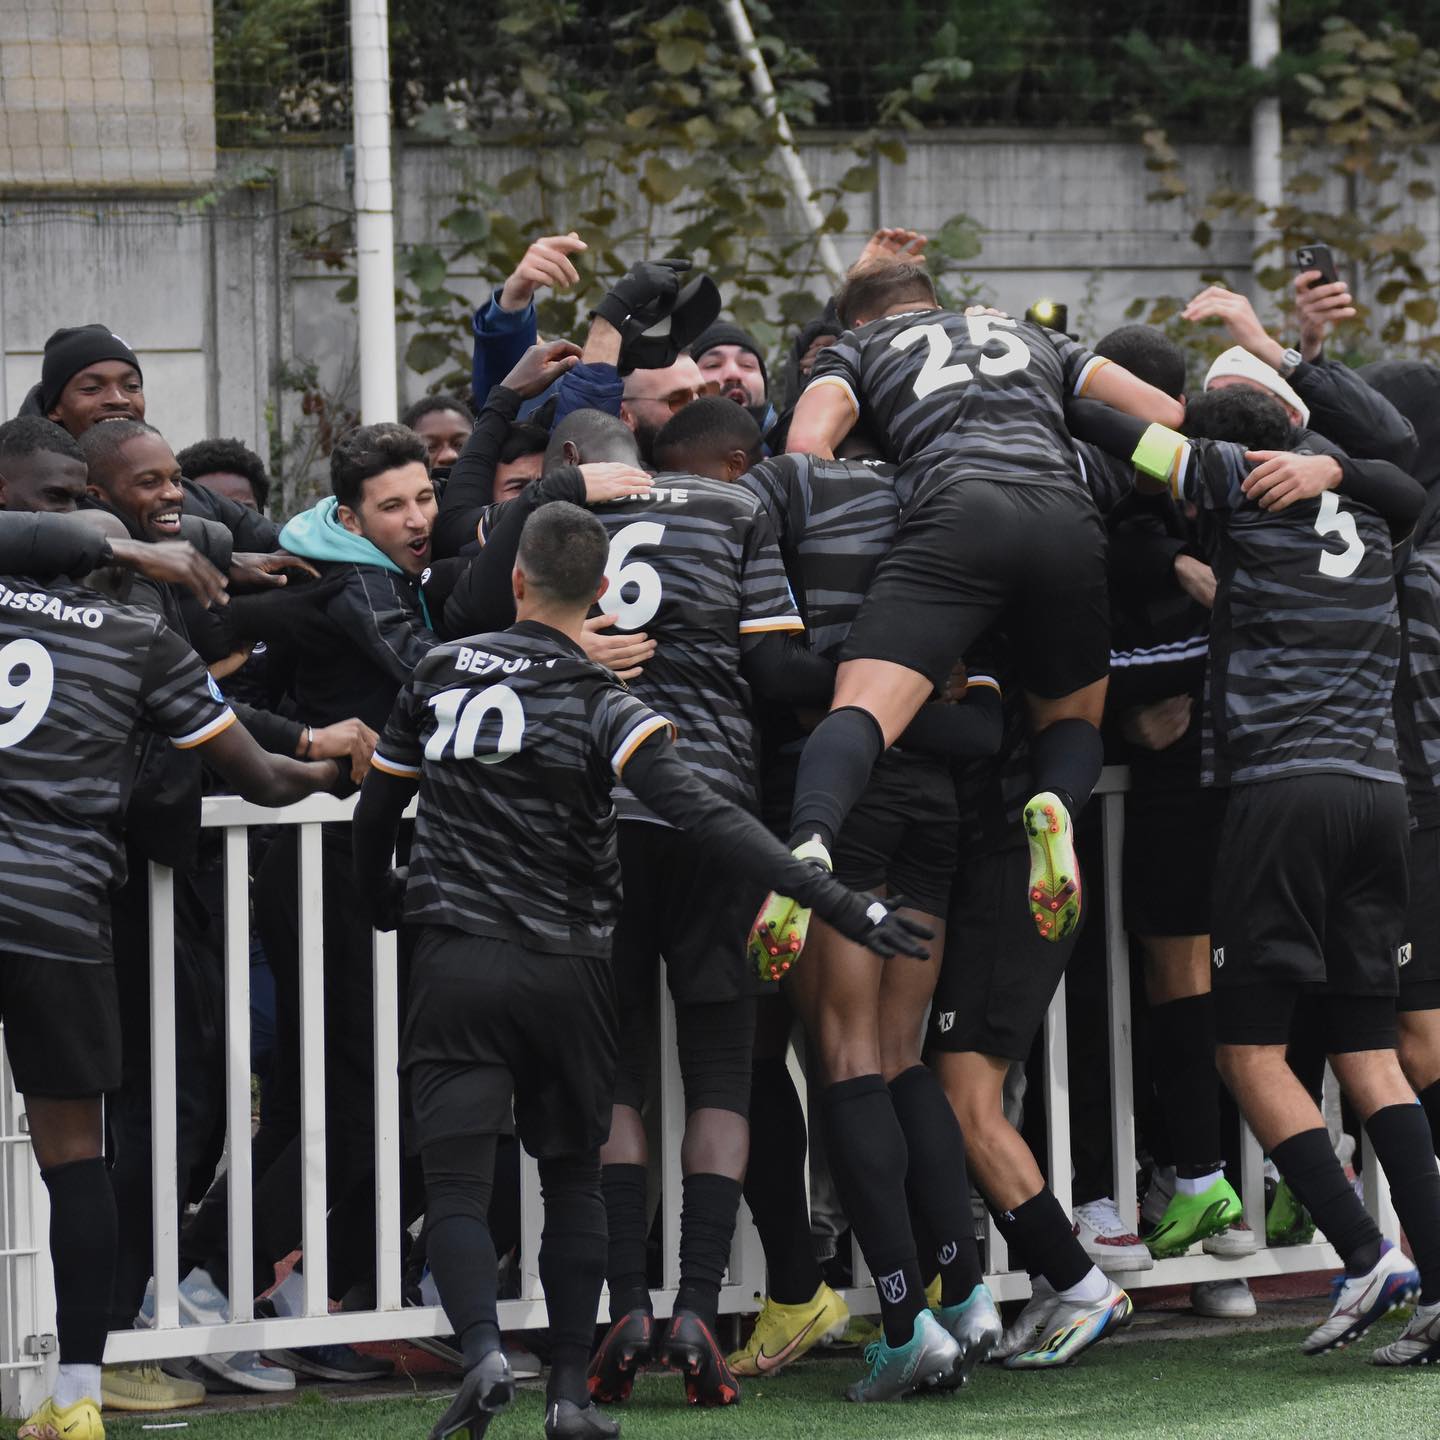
x=501, y=338
x=588, y=387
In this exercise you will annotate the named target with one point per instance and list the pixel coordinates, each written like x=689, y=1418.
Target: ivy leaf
x=1422, y=310
x=426, y=351
x=348, y=292
x=662, y=182
x=426, y=267
x=959, y=238
x=893, y=150
x=799, y=307
x=858, y=179
x=466, y=225
x=679, y=57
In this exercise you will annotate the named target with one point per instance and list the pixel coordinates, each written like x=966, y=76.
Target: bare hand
x=893, y=244
x=1320, y=309
x=346, y=739
x=545, y=263
x=612, y=480
x=173, y=562
x=540, y=366
x=984, y=310
x=1238, y=316
x=1158, y=726
x=624, y=654
x=254, y=571
x=1196, y=579
x=1281, y=477
x=222, y=669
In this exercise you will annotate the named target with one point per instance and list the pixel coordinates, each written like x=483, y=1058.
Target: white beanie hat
x=1239, y=362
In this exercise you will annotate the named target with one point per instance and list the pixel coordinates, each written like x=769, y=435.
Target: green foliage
x=1369, y=104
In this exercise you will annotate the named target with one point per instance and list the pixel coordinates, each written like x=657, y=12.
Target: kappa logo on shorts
x=947, y=1021
x=892, y=1287
x=1402, y=955
x=947, y=1252
x=1217, y=957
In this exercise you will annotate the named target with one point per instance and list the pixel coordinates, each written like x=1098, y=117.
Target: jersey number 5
x=640, y=579
x=937, y=374
x=459, y=715
x=30, y=698
x=1332, y=520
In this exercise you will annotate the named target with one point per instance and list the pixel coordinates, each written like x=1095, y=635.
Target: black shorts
x=1171, y=840
x=980, y=549
x=62, y=1026
x=903, y=833
x=1310, y=885
x=998, y=976
x=489, y=1023
x=679, y=907
x=1420, y=951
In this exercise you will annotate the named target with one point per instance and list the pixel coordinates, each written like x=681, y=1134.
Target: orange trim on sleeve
x=208, y=732
x=1091, y=371
x=842, y=383
x=392, y=767
x=638, y=738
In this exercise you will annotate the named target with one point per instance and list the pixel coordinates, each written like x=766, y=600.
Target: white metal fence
x=26, y=1294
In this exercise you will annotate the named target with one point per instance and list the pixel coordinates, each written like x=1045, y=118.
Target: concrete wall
x=217, y=301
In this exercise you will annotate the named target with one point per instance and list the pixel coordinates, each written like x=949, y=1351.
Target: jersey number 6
x=459, y=715
x=642, y=580
x=1332, y=520
x=30, y=699
x=937, y=374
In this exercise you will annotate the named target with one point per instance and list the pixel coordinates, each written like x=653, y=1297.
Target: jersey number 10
x=459, y=715
x=937, y=374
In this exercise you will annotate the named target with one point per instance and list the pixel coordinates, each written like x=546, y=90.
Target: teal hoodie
x=317, y=534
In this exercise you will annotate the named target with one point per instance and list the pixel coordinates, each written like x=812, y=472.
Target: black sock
x=834, y=770
x=1067, y=758
x=83, y=1237
x=1041, y=1234
x=708, y=1206
x=1430, y=1099
x=868, y=1161
x=458, y=1183
x=1308, y=1164
x=572, y=1269
x=775, y=1184
x=1405, y=1149
x=937, y=1180
x=1183, y=1043
x=624, y=1189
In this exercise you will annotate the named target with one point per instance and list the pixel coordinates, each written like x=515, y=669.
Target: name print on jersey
x=40, y=603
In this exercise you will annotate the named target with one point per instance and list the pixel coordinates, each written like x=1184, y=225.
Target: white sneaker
x=247, y=1371
x=202, y=1302
x=1222, y=1299
x=1107, y=1240
x=1359, y=1301
x=1234, y=1242
x=1031, y=1323
x=1419, y=1342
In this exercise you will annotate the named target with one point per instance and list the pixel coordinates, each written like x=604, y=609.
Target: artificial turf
x=1248, y=1384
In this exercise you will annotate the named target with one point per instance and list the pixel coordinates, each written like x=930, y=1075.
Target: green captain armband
x=1158, y=453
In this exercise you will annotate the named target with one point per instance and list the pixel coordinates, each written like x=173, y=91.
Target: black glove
x=385, y=906
x=877, y=925
x=643, y=296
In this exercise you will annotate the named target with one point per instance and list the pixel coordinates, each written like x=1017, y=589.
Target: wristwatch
x=1290, y=361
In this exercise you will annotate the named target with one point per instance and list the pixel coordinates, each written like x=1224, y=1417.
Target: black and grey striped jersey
x=80, y=673
x=834, y=520
x=1417, y=692
x=694, y=565
x=1304, y=634
x=955, y=398
x=516, y=739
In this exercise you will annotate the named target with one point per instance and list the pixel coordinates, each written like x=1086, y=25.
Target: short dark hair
x=31, y=434
x=597, y=435
x=371, y=450
x=563, y=552
x=879, y=286
x=1241, y=414
x=525, y=438
x=433, y=404
x=711, y=425
x=1148, y=354
x=228, y=457
x=100, y=444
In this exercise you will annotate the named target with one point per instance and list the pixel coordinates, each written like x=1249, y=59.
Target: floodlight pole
x=1266, y=138
x=794, y=166
x=374, y=209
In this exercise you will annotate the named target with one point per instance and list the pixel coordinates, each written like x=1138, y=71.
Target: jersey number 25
x=937, y=373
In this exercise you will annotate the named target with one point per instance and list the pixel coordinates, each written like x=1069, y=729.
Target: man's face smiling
x=396, y=514
x=143, y=487
x=106, y=390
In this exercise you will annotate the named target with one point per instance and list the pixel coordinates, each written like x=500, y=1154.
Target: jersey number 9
x=30, y=698
x=459, y=715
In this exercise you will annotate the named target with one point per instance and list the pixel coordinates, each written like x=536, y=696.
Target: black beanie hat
x=725, y=332
x=68, y=352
